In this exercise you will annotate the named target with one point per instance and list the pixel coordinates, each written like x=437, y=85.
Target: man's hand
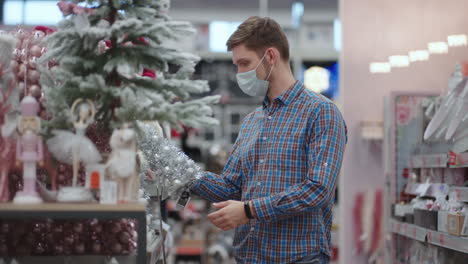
x=230, y=215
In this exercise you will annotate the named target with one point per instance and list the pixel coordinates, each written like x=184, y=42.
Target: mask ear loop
x=261, y=60
x=271, y=71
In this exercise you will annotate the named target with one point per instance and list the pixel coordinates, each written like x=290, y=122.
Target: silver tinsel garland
x=165, y=170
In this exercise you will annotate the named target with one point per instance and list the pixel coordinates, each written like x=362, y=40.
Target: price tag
x=441, y=238
x=108, y=192
x=452, y=158
x=183, y=200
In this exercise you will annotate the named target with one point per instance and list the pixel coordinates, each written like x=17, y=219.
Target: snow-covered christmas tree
x=113, y=52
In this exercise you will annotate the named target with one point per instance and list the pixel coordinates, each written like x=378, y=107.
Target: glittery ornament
x=170, y=168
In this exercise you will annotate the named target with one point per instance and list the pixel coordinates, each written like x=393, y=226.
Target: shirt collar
x=287, y=97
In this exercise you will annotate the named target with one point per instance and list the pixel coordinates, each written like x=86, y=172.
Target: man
x=278, y=185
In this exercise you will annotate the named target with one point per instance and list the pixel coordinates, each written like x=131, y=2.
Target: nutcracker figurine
x=29, y=150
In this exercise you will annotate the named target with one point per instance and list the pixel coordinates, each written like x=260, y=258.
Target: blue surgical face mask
x=250, y=84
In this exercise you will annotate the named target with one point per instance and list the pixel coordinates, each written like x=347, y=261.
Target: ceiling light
x=399, y=61
x=418, y=55
x=380, y=67
x=437, y=47
x=457, y=40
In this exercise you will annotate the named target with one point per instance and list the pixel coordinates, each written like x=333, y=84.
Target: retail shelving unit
x=407, y=155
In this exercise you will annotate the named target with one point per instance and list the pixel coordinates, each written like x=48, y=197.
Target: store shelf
x=432, y=237
x=448, y=241
x=458, y=160
x=461, y=193
x=427, y=189
x=438, y=160
x=77, y=207
x=408, y=230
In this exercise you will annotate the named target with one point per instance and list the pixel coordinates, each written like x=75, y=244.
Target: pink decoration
x=35, y=51
x=35, y=91
x=29, y=150
x=7, y=145
x=403, y=114
x=14, y=66
x=22, y=71
x=149, y=73
x=29, y=106
x=33, y=76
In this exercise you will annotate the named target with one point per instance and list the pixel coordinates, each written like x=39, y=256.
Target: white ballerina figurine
x=73, y=148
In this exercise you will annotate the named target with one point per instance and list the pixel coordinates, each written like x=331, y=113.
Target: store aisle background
x=372, y=31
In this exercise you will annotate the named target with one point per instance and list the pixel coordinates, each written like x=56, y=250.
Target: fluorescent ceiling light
x=439, y=47
x=418, y=55
x=457, y=40
x=380, y=67
x=399, y=61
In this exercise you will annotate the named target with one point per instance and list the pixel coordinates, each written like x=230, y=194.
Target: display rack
x=430, y=236
x=415, y=167
x=82, y=211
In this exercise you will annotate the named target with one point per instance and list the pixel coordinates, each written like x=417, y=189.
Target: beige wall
x=373, y=30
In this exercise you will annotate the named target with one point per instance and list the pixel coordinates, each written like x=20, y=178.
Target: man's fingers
x=216, y=214
x=221, y=204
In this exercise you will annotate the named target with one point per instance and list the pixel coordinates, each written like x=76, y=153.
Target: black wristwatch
x=248, y=213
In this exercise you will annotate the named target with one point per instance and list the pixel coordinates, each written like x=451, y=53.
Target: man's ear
x=273, y=55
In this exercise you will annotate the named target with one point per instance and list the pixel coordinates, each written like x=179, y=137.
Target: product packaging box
x=426, y=218
x=442, y=217
x=402, y=209
x=456, y=224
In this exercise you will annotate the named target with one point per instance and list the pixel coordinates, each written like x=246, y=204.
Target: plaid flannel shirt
x=286, y=160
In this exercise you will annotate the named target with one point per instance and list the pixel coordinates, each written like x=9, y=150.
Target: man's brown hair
x=258, y=34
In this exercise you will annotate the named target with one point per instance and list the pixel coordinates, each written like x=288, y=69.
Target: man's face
x=246, y=60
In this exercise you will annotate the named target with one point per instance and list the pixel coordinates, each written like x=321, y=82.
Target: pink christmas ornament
x=35, y=51
x=97, y=247
x=124, y=237
x=33, y=76
x=116, y=248
x=80, y=248
x=58, y=248
x=78, y=227
x=14, y=66
x=22, y=71
x=35, y=91
x=32, y=63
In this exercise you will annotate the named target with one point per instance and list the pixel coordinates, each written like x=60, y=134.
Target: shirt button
x=325, y=164
x=269, y=117
x=259, y=183
x=252, y=229
x=261, y=161
x=264, y=138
